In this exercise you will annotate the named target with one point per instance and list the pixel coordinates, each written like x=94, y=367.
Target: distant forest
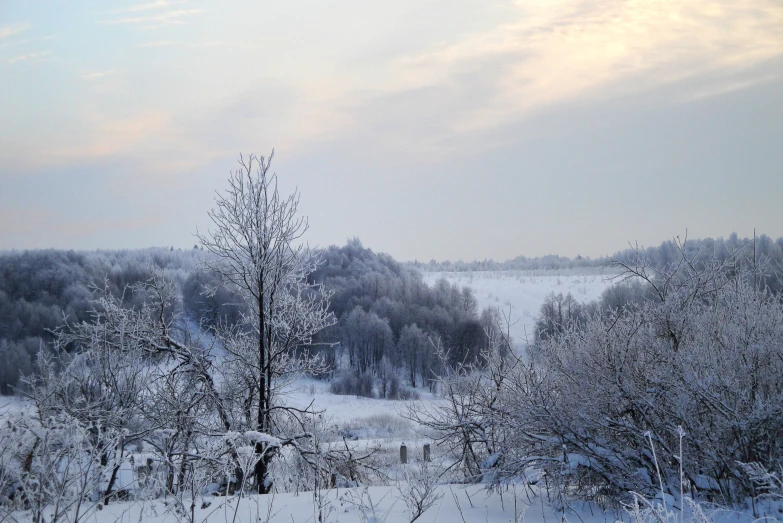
x=550, y=262
x=390, y=321
x=387, y=315
x=768, y=251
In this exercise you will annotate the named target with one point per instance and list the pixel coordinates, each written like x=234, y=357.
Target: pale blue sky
x=428, y=128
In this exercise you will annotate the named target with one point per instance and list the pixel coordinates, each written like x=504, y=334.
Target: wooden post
x=403, y=454
x=426, y=452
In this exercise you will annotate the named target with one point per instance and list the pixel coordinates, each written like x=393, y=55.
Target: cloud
x=170, y=43
x=40, y=56
x=11, y=30
x=544, y=55
x=728, y=87
x=557, y=51
x=153, y=140
x=175, y=16
x=159, y=43
x=96, y=75
x=15, y=43
x=214, y=43
x=142, y=7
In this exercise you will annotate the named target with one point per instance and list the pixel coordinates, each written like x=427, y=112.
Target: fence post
x=403, y=454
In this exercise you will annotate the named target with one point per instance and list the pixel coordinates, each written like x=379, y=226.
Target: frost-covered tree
x=414, y=346
x=256, y=249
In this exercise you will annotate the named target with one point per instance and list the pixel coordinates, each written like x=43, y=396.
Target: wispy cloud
x=14, y=29
x=176, y=16
x=159, y=43
x=16, y=43
x=148, y=6
x=171, y=43
x=729, y=87
x=96, y=75
x=40, y=56
x=214, y=43
x=557, y=51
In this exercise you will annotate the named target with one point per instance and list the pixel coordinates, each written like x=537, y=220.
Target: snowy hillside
x=523, y=292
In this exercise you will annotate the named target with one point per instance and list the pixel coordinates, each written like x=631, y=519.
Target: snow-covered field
x=522, y=292
x=455, y=504
x=380, y=418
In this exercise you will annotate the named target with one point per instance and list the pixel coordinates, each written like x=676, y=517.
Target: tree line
x=549, y=262
x=768, y=253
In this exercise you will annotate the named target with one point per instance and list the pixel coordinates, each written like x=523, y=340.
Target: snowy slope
x=522, y=292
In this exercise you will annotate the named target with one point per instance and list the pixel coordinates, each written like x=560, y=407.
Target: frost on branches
x=254, y=250
x=703, y=350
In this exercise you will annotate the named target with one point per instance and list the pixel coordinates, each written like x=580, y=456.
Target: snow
x=353, y=411
x=456, y=503
x=490, y=461
x=254, y=436
x=125, y=478
x=10, y=405
x=576, y=460
x=523, y=292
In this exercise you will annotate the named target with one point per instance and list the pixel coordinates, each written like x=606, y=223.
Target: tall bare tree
x=257, y=251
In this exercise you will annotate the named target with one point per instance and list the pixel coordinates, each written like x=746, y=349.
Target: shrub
x=353, y=384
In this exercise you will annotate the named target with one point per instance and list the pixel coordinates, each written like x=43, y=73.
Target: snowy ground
x=344, y=409
x=365, y=422
x=12, y=405
x=523, y=292
x=454, y=504
x=373, y=505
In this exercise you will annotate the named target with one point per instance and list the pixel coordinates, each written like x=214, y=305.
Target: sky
x=445, y=129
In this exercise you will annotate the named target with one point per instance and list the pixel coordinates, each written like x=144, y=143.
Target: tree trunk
x=262, y=465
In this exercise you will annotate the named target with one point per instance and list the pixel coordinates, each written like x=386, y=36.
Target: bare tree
x=256, y=250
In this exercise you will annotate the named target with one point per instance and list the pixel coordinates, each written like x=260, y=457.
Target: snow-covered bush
x=54, y=467
x=704, y=353
x=419, y=488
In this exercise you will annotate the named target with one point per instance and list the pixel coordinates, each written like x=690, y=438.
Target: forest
x=386, y=313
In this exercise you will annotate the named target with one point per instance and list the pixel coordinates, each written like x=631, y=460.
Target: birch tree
x=256, y=248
